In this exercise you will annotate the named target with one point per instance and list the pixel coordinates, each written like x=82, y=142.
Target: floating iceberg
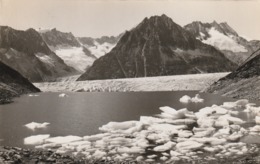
x=35, y=125
x=65, y=139
x=33, y=95
x=36, y=140
x=185, y=99
x=63, y=95
x=171, y=136
x=188, y=99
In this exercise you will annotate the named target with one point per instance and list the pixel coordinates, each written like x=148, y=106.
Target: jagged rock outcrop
x=55, y=38
x=224, y=38
x=99, y=46
x=244, y=82
x=27, y=53
x=13, y=84
x=157, y=47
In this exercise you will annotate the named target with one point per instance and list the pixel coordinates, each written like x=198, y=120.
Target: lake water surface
x=83, y=113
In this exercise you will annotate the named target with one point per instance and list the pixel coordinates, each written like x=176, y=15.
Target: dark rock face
x=27, y=53
x=157, y=47
x=55, y=38
x=244, y=48
x=244, y=82
x=13, y=84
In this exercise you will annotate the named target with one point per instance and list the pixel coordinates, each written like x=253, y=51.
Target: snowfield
x=100, y=49
x=212, y=134
x=75, y=57
x=223, y=42
x=162, y=83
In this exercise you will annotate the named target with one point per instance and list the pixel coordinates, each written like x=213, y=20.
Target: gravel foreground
x=15, y=155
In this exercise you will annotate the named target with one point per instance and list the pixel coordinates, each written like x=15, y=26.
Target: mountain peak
x=155, y=21
x=157, y=47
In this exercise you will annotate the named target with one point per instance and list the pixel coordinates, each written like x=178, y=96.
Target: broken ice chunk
x=35, y=125
x=185, y=99
x=188, y=145
x=65, y=139
x=257, y=119
x=35, y=140
x=63, y=95
x=197, y=99
x=127, y=127
x=165, y=147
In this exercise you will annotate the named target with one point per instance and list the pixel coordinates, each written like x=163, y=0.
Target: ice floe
x=188, y=99
x=173, y=135
x=63, y=95
x=33, y=95
x=36, y=140
x=35, y=125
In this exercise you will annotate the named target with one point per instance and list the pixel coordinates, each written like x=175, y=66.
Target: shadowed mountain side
x=13, y=84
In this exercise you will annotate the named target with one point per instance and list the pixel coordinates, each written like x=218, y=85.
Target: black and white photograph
x=130, y=81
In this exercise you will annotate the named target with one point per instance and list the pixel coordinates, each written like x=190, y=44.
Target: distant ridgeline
x=45, y=55
x=155, y=47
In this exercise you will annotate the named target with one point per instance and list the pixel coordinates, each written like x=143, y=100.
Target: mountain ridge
x=26, y=52
x=157, y=46
x=224, y=38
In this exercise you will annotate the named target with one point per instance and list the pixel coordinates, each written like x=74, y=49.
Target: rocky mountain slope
x=13, y=84
x=27, y=53
x=224, y=38
x=244, y=82
x=157, y=47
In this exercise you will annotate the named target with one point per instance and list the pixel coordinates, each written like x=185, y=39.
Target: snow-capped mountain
x=79, y=53
x=13, y=84
x=27, y=53
x=99, y=46
x=157, y=47
x=68, y=48
x=224, y=38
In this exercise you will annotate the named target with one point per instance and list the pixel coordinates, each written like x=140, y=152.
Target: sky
x=95, y=18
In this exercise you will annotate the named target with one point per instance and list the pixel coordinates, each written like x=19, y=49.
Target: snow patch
x=101, y=49
x=223, y=42
x=46, y=59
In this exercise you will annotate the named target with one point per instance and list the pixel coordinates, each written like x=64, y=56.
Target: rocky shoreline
x=18, y=155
